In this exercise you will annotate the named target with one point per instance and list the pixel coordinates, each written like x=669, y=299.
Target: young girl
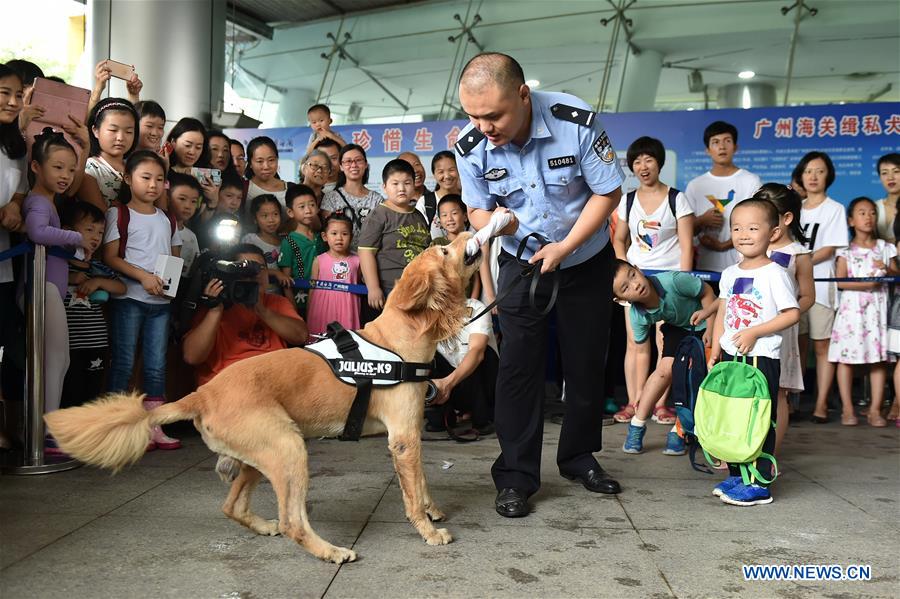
x=454, y=220
x=788, y=251
x=351, y=196
x=53, y=167
x=266, y=210
x=113, y=124
x=656, y=233
x=143, y=310
x=184, y=195
x=340, y=265
x=860, y=327
x=825, y=228
x=300, y=248
x=262, y=170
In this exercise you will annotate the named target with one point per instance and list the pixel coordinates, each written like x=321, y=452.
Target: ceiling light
x=746, y=74
x=532, y=83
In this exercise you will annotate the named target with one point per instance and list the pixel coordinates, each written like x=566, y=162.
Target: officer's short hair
x=718, y=128
x=646, y=145
x=492, y=67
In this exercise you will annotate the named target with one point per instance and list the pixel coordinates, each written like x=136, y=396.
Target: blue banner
x=770, y=141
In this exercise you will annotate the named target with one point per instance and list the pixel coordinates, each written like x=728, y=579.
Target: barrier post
x=33, y=460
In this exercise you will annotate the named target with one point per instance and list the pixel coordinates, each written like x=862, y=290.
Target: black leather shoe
x=596, y=480
x=511, y=503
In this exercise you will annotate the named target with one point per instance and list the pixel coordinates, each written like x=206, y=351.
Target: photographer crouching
x=236, y=318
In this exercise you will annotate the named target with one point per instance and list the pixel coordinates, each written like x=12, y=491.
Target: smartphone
x=120, y=70
x=214, y=174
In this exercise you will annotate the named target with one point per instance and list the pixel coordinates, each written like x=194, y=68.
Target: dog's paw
x=269, y=528
x=434, y=513
x=339, y=555
x=440, y=536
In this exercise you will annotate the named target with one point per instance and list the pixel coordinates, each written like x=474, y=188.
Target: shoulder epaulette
x=466, y=143
x=579, y=116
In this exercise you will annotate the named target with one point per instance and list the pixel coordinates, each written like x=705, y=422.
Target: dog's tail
x=113, y=431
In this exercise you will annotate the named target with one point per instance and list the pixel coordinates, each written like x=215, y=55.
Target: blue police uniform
x=547, y=183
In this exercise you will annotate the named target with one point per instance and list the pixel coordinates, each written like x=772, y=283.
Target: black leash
x=528, y=270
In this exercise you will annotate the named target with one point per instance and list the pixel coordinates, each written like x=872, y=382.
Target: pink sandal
x=625, y=414
x=663, y=415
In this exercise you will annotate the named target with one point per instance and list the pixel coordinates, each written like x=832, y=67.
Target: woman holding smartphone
x=188, y=149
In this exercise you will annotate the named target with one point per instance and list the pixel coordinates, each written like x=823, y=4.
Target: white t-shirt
x=752, y=297
x=109, y=180
x=654, y=237
x=825, y=226
x=254, y=190
x=885, y=228
x=456, y=348
x=190, y=249
x=705, y=192
x=13, y=180
x=149, y=236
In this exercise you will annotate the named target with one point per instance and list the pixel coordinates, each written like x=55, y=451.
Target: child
x=340, y=265
x=90, y=284
x=53, y=164
x=684, y=302
x=859, y=335
x=351, y=196
x=656, y=233
x=320, y=121
x=443, y=168
x=757, y=303
x=393, y=234
x=184, y=195
x=266, y=211
x=825, y=228
x=143, y=310
x=787, y=250
x=454, y=220
x=714, y=195
x=152, y=124
x=231, y=195
x=113, y=124
x=301, y=246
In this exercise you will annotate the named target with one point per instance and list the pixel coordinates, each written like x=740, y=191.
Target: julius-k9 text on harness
x=359, y=362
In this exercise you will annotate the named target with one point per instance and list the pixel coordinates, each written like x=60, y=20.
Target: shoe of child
x=674, y=444
x=157, y=436
x=747, y=495
x=663, y=415
x=51, y=448
x=726, y=485
x=634, y=442
x=625, y=414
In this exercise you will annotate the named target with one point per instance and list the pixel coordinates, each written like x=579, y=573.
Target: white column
x=640, y=81
x=292, y=108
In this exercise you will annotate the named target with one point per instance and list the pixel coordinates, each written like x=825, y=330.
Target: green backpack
x=732, y=417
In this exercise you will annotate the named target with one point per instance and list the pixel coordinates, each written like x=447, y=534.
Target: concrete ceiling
x=848, y=52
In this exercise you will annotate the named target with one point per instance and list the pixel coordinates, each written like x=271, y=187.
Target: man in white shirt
x=714, y=195
x=467, y=365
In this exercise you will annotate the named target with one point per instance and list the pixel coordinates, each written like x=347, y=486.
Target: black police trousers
x=583, y=310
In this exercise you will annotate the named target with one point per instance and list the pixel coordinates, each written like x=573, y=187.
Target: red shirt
x=242, y=334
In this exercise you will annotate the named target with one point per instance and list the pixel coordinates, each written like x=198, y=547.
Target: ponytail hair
x=105, y=107
x=44, y=143
x=136, y=159
x=785, y=200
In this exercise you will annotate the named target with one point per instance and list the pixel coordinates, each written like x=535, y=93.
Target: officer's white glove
x=499, y=219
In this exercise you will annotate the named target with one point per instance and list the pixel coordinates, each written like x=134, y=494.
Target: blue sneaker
x=674, y=444
x=726, y=485
x=747, y=495
x=634, y=442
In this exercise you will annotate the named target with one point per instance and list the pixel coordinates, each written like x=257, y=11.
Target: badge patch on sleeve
x=561, y=161
x=603, y=149
x=495, y=174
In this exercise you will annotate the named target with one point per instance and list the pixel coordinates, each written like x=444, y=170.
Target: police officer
x=546, y=157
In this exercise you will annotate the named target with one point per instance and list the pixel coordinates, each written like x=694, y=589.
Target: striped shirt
x=87, y=324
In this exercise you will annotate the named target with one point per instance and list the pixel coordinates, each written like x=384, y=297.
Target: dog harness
x=359, y=362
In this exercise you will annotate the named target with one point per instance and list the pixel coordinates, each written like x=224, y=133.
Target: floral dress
x=860, y=332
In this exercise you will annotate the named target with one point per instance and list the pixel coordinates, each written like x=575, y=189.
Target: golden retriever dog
x=259, y=410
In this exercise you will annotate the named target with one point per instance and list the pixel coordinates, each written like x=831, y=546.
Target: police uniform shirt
x=548, y=181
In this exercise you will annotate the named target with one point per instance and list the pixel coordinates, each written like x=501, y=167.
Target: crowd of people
x=116, y=192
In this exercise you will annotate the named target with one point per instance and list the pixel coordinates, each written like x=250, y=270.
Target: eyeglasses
x=352, y=162
x=318, y=168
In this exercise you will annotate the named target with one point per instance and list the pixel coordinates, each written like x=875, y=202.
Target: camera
x=239, y=280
